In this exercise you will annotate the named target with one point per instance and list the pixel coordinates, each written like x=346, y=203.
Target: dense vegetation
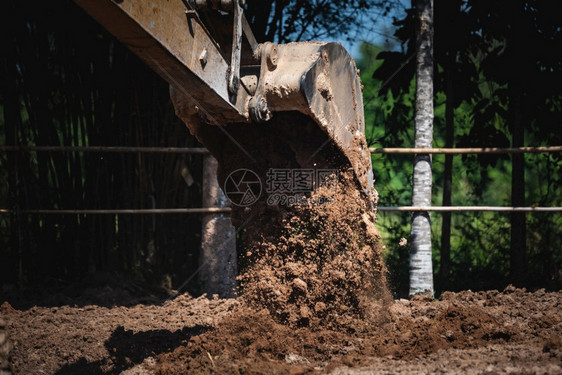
x=65, y=81
x=498, y=72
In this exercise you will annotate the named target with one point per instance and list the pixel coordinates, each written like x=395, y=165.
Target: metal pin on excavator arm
x=228, y=89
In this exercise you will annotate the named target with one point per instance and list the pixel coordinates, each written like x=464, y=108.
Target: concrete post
x=217, y=259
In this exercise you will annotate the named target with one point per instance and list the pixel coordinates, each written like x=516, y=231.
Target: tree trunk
x=445, y=263
x=421, y=268
x=218, y=260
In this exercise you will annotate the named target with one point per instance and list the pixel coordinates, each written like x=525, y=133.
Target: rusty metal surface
x=234, y=71
x=321, y=81
x=171, y=44
x=317, y=79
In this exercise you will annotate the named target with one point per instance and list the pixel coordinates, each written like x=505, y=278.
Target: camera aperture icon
x=242, y=187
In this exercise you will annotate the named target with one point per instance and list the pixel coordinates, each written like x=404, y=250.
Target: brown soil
x=513, y=331
x=318, y=264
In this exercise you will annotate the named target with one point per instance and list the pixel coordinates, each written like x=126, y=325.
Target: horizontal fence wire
x=141, y=211
x=469, y=208
x=213, y=210
x=202, y=150
x=474, y=150
x=118, y=149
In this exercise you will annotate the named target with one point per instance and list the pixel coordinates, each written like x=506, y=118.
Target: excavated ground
x=513, y=331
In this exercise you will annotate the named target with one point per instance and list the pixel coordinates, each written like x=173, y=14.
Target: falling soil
x=318, y=263
x=314, y=277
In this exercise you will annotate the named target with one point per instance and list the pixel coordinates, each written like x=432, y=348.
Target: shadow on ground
x=127, y=349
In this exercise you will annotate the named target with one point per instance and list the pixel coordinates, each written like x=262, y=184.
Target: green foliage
x=474, y=48
x=387, y=119
x=297, y=20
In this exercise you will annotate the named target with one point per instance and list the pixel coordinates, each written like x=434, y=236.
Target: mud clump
x=319, y=264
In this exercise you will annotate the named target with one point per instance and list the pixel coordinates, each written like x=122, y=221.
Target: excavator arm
x=277, y=105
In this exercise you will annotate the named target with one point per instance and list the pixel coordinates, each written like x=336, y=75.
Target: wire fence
x=202, y=150
x=214, y=210
x=210, y=210
x=473, y=150
x=117, y=149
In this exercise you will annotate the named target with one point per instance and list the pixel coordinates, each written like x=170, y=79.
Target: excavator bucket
x=306, y=114
x=321, y=81
x=260, y=109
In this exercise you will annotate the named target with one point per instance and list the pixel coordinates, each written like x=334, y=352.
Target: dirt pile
x=5, y=347
x=513, y=331
x=314, y=297
x=252, y=342
x=320, y=262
